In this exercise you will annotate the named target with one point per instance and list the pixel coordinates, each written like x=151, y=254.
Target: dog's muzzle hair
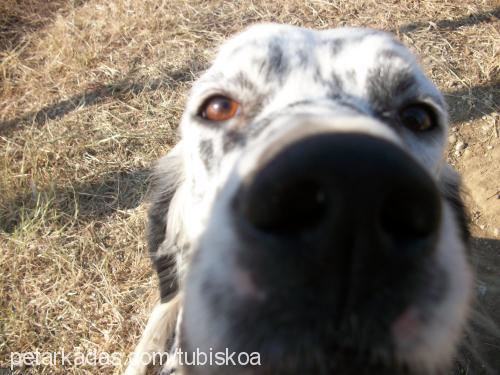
x=307, y=213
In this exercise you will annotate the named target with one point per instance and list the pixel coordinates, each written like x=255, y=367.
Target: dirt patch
x=476, y=154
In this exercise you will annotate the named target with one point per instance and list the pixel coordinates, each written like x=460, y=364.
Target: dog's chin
x=306, y=348
x=314, y=361
x=308, y=334
x=343, y=363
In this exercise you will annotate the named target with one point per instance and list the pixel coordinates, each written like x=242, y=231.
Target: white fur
x=158, y=329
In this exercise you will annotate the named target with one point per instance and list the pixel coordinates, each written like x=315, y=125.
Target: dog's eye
x=219, y=108
x=417, y=117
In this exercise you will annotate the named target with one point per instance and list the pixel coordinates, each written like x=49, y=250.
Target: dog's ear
x=163, y=228
x=450, y=185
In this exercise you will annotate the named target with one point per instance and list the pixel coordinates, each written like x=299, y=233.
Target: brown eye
x=417, y=117
x=219, y=108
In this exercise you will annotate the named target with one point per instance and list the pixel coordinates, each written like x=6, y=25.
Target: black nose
x=344, y=199
x=350, y=182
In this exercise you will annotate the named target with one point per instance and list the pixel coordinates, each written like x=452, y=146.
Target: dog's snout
x=340, y=192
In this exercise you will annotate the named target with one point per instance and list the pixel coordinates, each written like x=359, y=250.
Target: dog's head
x=310, y=216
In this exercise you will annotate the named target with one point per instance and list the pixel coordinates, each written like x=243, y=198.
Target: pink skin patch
x=407, y=327
x=245, y=287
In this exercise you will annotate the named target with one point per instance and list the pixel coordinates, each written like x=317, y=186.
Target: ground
x=90, y=95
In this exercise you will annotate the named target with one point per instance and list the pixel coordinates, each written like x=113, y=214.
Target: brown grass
x=90, y=94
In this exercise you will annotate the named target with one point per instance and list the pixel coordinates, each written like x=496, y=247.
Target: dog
x=308, y=214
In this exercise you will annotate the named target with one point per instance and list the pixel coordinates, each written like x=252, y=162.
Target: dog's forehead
x=264, y=39
x=271, y=53
x=288, y=64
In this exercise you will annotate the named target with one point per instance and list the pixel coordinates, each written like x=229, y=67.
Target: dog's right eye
x=219, y=108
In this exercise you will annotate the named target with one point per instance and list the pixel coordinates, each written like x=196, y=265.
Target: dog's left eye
x=417, y=117
x=219, y=108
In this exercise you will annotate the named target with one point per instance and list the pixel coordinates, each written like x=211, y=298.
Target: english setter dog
x=308, y=214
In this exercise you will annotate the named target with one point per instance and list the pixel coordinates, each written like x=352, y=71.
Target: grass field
x=90, y=95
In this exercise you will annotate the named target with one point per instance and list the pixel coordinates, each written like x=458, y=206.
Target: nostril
x=332, y=189
x=285, y=207
x=410, y=215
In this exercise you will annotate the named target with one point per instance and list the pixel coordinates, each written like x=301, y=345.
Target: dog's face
x=316, y=219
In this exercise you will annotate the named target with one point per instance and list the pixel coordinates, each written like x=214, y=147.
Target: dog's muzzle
x=338, y=229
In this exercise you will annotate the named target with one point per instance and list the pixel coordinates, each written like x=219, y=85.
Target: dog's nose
x=341, y=197
x=343, y=183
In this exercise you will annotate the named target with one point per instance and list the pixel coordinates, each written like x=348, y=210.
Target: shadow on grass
x=118, y=90
x=469, y=20
x=469, y=104
x=19, y=17
x=115, y=191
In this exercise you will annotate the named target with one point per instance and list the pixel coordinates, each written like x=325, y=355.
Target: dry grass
x=90, y=94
